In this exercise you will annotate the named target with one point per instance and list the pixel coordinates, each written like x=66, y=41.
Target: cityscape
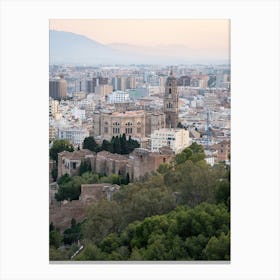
x=139, y=144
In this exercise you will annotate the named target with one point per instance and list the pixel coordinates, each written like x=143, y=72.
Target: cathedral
x=137, y=123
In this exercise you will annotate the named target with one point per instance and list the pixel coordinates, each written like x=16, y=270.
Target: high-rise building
x=103, y=91
x=122, y=83
x=119, y=83
x=184, y=81
x=131, y=82
x=171, y=102
x=58, y=88
x=94, y=82
x=89, y=86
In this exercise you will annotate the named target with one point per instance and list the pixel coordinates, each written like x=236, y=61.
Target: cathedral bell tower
x=171, y=102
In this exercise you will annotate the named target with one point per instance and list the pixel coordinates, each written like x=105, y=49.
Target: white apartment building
x=53, y=107
x=78, y=113
x=118, y=97
x=177, y=139
x=74, y=135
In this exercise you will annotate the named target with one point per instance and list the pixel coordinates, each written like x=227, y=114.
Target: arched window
x=128, y=129
x=170, y=91
x=106, y=127
x=138, y=127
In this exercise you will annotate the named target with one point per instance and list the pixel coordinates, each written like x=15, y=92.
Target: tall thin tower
x=171, y=102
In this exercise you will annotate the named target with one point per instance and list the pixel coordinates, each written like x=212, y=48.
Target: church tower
x=171, y=102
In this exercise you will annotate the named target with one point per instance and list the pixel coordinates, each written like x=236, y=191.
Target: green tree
x=58, y=254
x=70, y=190
x=90, y=178
x=194, y=181
x=54, y=173
x=110, y=243
x=91, y=253
x=163, y=168
x=218, y=248
x=116, y=145
x=59, y=146
x=90, y=144
x=55, y=238
x=132, y=144
x=103, y=218
x=85, y=167
x=181, y=157
x=64, y=179
x=106, y=146
x=222, y=192
x=72, y=234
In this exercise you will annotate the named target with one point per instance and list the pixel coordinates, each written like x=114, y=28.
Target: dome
x=171, y=77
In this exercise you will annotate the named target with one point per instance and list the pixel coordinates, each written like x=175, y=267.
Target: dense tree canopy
x=90, y=144
x=200, y=233
x=118, y=144
x=59, y=146
x=180, y=212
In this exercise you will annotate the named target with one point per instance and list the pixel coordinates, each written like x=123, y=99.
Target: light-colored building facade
x=118, y=97
x=52, y=133
x=137, y=124
x=103, y=90
x=53, y=107
x=176, y=139
x=132, y=123
x=73, y=134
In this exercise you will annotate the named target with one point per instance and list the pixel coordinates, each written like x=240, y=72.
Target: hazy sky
x=213, y=34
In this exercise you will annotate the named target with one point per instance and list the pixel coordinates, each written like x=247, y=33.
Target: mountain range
x=71, y=48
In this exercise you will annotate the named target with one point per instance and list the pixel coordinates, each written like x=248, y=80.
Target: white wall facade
x=176, y=139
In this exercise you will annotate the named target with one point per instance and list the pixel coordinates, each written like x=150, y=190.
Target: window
x=128, y=130
x=105, y=129
x=116, y=130
x=170, y=91
x=74, y=165
x=138, y=127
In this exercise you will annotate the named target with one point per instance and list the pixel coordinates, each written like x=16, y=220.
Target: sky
x=208, y=35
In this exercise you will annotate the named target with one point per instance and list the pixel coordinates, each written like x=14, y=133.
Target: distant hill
x=71, y=48
x=66, y=47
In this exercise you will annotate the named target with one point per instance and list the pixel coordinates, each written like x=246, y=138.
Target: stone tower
x=171, y=102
